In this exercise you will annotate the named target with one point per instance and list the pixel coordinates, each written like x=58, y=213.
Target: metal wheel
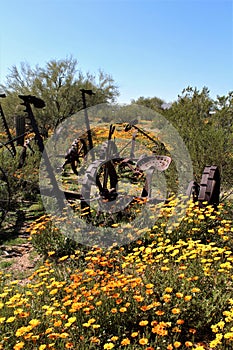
x=78, y=150
x=101, y=175
x=5, y=195
x=210, y=186
x=81, y=153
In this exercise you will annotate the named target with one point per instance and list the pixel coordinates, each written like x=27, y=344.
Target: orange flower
x=119, y=301
x=95, y=340
x=19, y=346
x=176, y=330
x=125, y=341
x=180, y=321
x=138, y=298
x=149, y=291
x=192, y=330
x=160, y=312
x=144, y=308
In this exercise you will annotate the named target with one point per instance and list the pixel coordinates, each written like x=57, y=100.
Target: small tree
x=58, y=84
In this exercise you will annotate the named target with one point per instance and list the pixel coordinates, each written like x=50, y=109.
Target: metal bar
x=5, y=125
x=89, y=135
x=56, y=190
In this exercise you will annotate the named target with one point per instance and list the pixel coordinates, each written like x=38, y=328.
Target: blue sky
x=150, y=47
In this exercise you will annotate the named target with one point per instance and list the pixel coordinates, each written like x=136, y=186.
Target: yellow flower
x=123, y=309
x=175, y=311
x=108, y=346
x=143, y=323
x=64, y=335
x=51, y=253
x=34, y=337
x=114, y=338
x=134, y=334
x=34, y=322
x=23, y=330
x=138, y=298
x=229, y=335
x=86, y=324
x=48, y=330
x=177, y=344
x=42, y=347
x=53, y=291
x=143, y=341
x=72, y=319
x=95, y=326
x=63, y=258
x=179, y=295
x=10, y=319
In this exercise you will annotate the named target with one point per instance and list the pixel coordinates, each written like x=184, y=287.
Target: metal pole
x=7, y=128
x=89, y=136
x=56, y=190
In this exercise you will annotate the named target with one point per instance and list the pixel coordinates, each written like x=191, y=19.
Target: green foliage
x=206, y=127
x=23, y=183
x=51, y=239
x=58, y=84
x=154, y=103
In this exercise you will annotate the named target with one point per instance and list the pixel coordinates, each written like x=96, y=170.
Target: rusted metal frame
x=89, y=135
x=38, y=103
x=4, y=210
x=7, y=130
x=107, y=167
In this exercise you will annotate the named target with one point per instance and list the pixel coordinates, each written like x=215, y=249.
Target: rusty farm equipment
x=106, y=168
x=208, y=191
